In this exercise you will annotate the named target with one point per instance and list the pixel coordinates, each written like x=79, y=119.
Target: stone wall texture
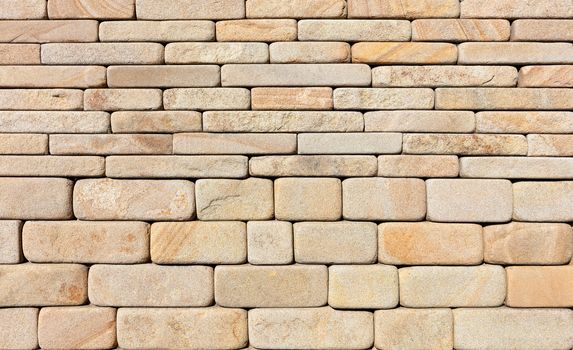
x=286, y=174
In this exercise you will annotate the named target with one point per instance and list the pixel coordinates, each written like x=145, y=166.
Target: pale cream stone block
x=162, y=31
x=122, y=99
x=296, y=9
x=41, y=99
x=542, y=30
x=546, y=76
x=404, y=53
x=155, y=121
x=110, y=144
x=403, y=8
x=19, y=54
x=22, y=9
x=551, y=145
x=19, y=327
x=23, y=144
x=539, y=286
x=10, y=242
x=307, y=199
x=212, y=143
x=517, y=167
x=309, y=52
x=524, y=122
x=98, y=9
x=458, y=30
x=163, y=76
x=516, y=9
x=317, y=165
x=515, y=53
x=270, y=242
x=504, y=98
x=383, y=98
x=52, y=77
x=349, y=143
x=207, y=98
x=418, y=166
x=190, y=9
x=318, y=98
x=54, y=122
x=216, y=53
x=465, y=144
x=69, y=166
x=44, y=31
x=353, y=30
x=266, y=30
x=420, y=121
x=102, y=53
x=543, y=201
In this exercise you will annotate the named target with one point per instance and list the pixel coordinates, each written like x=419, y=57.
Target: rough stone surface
x=52, y=77
x=404, y=53
x=23, y=9
x=516, y=167
x=306, y=165
x=270, y=242
x=515, y=9
x=42, y=31
x=349, y=143
x=546, y=76
x=524, y=122
x=211, y=143
x=465, y=144
x=163, y=76
x=292, y=98
x=19, y=328
x=19, y=54
x=353, y=30
x=504, y=98
x=543, y=201
x=403, y=8
x=383, y=98
x=206, y=99
x=420, y=121
x=122, y=99
x=162, y=31
x=51, y=166
x=296, y=9
x=54, y=122
x=100, y=9
x=155, y=121
x=539, y=286
x=306, y=52
x=266, y=30
x=418, y=166
x=190, y=9
x=41, y=99
x=23, y=144
x=307, y=199
x=515, y=53
x=102, y=53
x=10, y=242
x=459, y=30
x=541, y=30
x=216, y=53
x=110, y=144
x=550, y=145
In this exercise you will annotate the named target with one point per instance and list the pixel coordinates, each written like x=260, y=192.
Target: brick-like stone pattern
x=286, y=174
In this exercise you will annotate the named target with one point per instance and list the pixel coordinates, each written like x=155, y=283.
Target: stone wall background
x=286, y=174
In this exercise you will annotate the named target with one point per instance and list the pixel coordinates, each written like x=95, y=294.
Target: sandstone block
x=543, y=201
x=189, y=328
x=469, y=200
x=43, y=284
x=306, y=199
x=349, y=143
x=504, y=98
x=41, y=99
x=465, y=144
x=211, y=143
x=99, y=9
x=271, y=286
x=162, y=31
x=19, y=327
x=207, y=98
x=551, y=145
x=383, y=199
x=383, y=98
x=190, y=9
x=86, y=242
x=35, y=198
x=362, y=287
x=216, y=53
x=69, y=166
x=404, y=53
x=52, y=77
x=291, y=98
x=452, y=286
x=155, y=121
x=404, y=328
x=524, y=122
x=198, y=242
x=418, y=166
x=23, y=9
x=319, y=165
x=107, y=199
x=110, y=144
x=515, y=53
x=23, y=144
x=459, y=30
x=539, y=286
x=10, y=242
x=343, y=242
x=310, y=328
x=43, y=31
x=19, y=54
x=221, y=199
x=546, y=76
x=403, y=9
x=296, y=9
x=429, y=243
x=542, y=30
x=102, y=53
x=79, y=327
x=54, y=122
x=163, y=76
x=122, y=99
x=515, y=9
x=342, y=74
x=309, y=52
x=265, y=30
x=282, y=121
x=353, y=30
x=517, y=167
x=269, y=242
x=150, y=285
x=434, y=76
x=420, y=121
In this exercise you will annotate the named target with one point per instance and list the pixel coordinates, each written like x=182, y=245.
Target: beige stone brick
x=207, y=98
x=418, y=166
x=19, y=328
x=43, y=31
x=107, y=199
x=110, y=144
x=542, y=30
x=465, y=144
x=403, y=9
x=296, y=9
x=546, y=76
x=216, y=53
x=434, y=76
x=155, y=121
x=515, y=53
x=504, y=98
x=198, y=242
x=517, y=167
x=429, y=243
x=539, y=286
x=384, y=199
x=10, y=242
x=86, y=242
x=469, y=200
x=404, y=53
x=362, y=286
x=53, y=122
x=452, y=286
x=524, y=122
x=35, y=198
x=22, y=9
x=43, y=285
x=122, y=99
x=270, y=242
x=150, y=285
x=306, y=199
x=550, y=145
x=41, y=99
x=459, y=30
x=516, y=9
x=176, y=166
x=19, y=54
x=343, y=242
x=162, y=31
x=420, y=121
x=309, y=52
x=405, y=328
x=52, y=77
x=163, y=76
x=519, y=243
x=69, y=166
x=349, y=143
x=310, y=328
x=312, y=98
x=266, y=30
x=282, y=121
x=211, y=143
x=513, y=328
x=23, y=144
x=79, y=327
x=341, y=74
x=190, y=9
x=383, y=98
x=99, y=9
x=315, y=165
x=543, y=201
x=102, y=53
x=271, y=286
x=220, y=199
x=353, y=30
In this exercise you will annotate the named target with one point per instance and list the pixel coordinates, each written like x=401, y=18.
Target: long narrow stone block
x=318, y=165
x=46, y=31
x=68, y=144
x=216, y=53
x=517, y=167
x=69, y=166
x=97, y=9
x=404, y=53
x=158, y=31
x=52, y=77
x=459, y=30
x=163, y=76
x=403, y=8
x=212, y=143
x=353, y=30
x=102, y=53
x=54, y=122
x=383, y=98
x=190, y=9
x=296, y=9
